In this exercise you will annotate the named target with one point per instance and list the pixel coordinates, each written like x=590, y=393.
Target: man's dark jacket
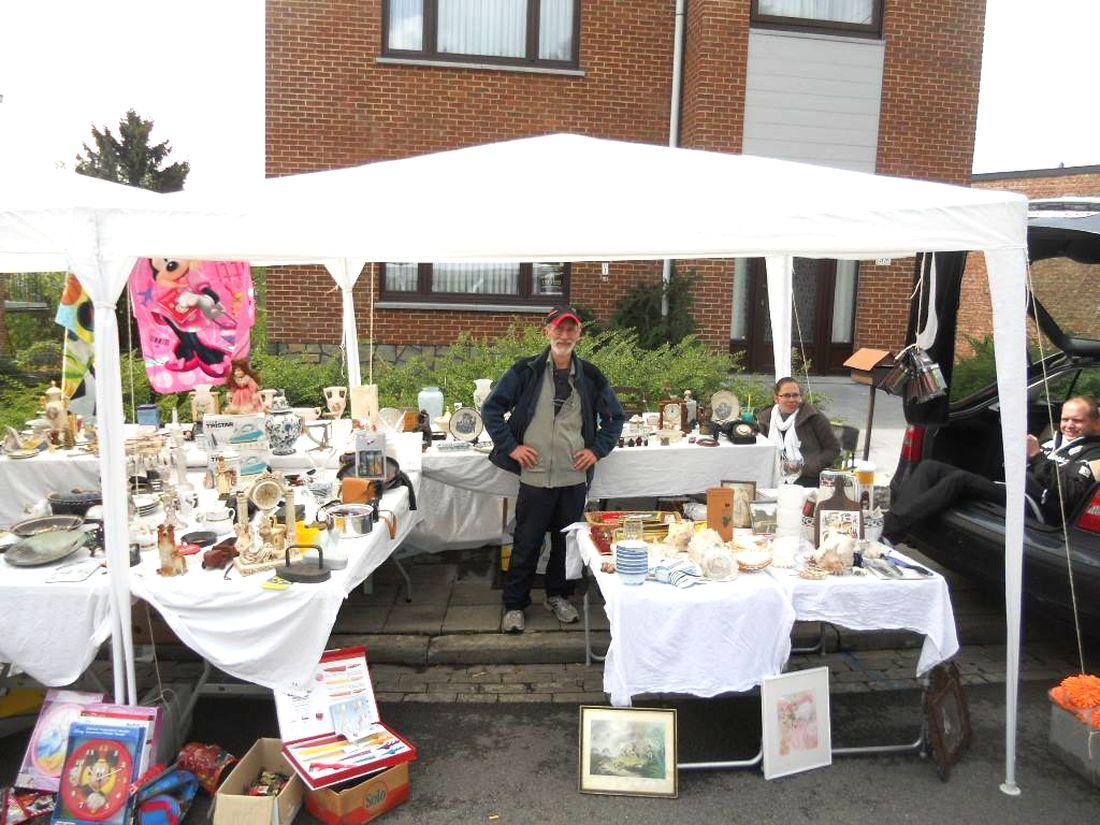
x=1072, y=463
x=518, y=391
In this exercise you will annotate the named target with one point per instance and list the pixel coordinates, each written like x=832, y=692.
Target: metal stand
x=730, y=765
x=590, y=655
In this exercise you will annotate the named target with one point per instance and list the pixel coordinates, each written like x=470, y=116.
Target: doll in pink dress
x=244, y=389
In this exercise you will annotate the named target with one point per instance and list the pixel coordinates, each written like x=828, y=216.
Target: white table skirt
x=705, y=640
x=729, y=636
x=52, y=631
x=678, y=469
x=272, y=638
x=922, y=605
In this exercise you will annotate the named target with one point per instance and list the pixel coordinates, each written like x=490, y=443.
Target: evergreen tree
x=129, y=158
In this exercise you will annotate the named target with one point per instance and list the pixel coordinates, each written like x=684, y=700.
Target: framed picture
x=674, y=415
x=839, y=523
x=628, y=751
x=744, y=493
x=947, y=715
x=765, y=516
x=794, y=710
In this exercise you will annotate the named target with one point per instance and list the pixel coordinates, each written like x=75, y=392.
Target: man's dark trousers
x=934, y=486
x=538, y=510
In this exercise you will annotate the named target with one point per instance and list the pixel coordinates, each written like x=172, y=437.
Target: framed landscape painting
x=628, y=751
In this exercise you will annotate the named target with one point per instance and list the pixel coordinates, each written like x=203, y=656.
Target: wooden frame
x=430, y=40
x=809, y=24
x=796, y=727
x=764, y=516
x=524, y=295
x=947, y=715
x=628, y=751
x=744, y=493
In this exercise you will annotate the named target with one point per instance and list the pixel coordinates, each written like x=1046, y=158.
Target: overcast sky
x=196, y=69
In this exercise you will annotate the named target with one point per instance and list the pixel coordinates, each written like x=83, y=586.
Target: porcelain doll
x=243, y=390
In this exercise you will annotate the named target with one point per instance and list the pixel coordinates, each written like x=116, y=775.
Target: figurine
x=56, y=410
x=244, y=390
x=172, y=562
x=203, y=401
x=247, y=550
x=225, y=477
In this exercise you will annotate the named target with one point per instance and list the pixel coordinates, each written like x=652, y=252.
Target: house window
x=538, y=32
x=859, y=17
x=477, y=283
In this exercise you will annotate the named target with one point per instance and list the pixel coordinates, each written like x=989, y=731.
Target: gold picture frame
x=628, y=751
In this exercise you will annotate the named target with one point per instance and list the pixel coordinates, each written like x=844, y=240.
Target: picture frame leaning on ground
x=628, y=751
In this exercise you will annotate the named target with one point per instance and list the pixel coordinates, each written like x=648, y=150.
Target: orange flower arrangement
x=1081, y=696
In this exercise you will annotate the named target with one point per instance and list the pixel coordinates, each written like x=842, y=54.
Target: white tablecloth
x=704, y=640
x=729, y=636
x=52, y=631
x=272, y=638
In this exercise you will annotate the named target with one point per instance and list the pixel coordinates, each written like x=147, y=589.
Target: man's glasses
x=790, y=395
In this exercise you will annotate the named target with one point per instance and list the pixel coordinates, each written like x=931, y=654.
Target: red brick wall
x=975, y=312
x=926, y=130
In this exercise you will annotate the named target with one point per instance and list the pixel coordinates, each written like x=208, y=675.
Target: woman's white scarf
x=781, y=433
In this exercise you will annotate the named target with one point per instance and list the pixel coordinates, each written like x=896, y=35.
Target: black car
x=964, y=429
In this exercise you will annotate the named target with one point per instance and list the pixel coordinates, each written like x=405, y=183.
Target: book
x=45, y=754
x=101, y=764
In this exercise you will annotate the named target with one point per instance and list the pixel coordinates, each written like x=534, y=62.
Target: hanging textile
x=193, y=319
x=74, y=314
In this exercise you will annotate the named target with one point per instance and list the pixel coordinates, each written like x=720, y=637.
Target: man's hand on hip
x=526, y=456
x=583, y=459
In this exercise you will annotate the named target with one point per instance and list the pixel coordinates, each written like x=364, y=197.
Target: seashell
x=719, y=564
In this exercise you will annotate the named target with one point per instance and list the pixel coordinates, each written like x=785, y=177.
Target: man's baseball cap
x=561, y=313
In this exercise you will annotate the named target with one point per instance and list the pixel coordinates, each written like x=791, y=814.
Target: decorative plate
x=45, y=548
x=42, y=524
x=392, y=418
x=465, y=424
x=18, y=454
x=724, y=406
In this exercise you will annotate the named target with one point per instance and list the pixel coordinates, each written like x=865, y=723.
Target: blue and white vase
x=283, y=427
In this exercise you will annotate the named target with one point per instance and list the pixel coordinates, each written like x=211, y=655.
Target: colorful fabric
x=75, y=314
x=193, y=319
x=165, y=800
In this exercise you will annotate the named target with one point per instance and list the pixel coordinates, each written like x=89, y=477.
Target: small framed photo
x=765, y=516
x=628, y=751
x=797, y=731
x=744, y=493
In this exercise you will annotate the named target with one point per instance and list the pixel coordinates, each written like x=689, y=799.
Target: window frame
x=430, y=39
x=526, y=296
x=805, y=24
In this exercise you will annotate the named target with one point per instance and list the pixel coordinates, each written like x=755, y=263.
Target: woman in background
x=798, y=428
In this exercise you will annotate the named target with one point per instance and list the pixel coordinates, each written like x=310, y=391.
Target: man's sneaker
x=561, y=608
x=512, y=622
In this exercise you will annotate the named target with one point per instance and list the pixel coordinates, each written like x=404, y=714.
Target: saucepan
x=393, y=475
x=346, y=521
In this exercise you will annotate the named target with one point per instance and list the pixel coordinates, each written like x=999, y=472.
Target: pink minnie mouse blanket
x=193, y=318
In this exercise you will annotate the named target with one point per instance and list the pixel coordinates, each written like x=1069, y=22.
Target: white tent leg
x=780, y=284
x=1008, y=294
x=345, y=271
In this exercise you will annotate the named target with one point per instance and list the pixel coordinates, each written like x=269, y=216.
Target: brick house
x=887, y=86
x=1057, y=289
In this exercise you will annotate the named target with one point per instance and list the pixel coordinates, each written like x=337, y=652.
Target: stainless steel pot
x=346, y=521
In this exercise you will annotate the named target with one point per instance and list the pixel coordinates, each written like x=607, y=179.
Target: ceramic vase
x=283, y=427
x=268, y=396
x=483, y=388
x=336, y=399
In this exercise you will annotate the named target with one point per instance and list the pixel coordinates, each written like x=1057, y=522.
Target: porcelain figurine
x=336, y=399
x=56, y=411
x=172, y=562
x=243, y=390
x=203, y=401
x=482, y=388
x=283, y=427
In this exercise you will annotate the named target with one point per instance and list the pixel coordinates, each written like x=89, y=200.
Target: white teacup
x=216, y=517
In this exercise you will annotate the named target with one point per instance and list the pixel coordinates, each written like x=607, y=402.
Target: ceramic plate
x=31, y=526
x=203, y=538
x=724, y=406
x=45, y=548
x=466, y=424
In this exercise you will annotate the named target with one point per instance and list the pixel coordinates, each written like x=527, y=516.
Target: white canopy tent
x=572, y=198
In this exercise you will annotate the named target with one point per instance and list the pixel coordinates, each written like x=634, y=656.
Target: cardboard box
x=1070, y=739
x=362, y=802
x=864, y=361
x=233, y=806
x=720, y=511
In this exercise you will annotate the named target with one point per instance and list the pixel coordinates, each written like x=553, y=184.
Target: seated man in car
x=1073, y=456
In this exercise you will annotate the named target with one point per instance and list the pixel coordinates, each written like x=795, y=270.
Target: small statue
x=203, y=401
x=225, y=477
x=247, y=550
x=243, y=390
x=170, y=499
x=172, y=562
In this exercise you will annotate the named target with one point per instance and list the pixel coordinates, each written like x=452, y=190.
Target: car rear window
x=1070, y=292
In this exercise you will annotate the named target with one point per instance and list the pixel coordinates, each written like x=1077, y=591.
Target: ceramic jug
x=268, y=396
x=482, y=391
x=283, y=426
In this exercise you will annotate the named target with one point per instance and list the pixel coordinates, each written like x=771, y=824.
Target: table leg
x=729, y=765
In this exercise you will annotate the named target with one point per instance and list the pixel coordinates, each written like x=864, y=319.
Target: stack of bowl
x=632, y=561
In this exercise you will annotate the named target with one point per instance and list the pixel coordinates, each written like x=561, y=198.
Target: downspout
x=674, y=125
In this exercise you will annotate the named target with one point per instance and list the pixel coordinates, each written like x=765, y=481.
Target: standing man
x=564, y=418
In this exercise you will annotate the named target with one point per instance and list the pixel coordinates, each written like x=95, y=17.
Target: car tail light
x=913, y=446
x=1090, y=516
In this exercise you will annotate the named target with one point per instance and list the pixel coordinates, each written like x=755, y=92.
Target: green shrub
x=975, y=371
x=43, y=355
x=640, y=310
